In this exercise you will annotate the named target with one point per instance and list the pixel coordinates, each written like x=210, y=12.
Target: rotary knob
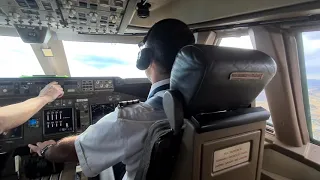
x=72, y=13
x=113, y=19
x=93, y=16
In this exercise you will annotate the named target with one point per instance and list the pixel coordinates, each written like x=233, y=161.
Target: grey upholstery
x=205, y=75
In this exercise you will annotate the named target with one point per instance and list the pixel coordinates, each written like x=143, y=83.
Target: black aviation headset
x=145, y=54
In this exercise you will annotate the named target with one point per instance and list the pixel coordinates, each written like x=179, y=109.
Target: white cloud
x=310, y=45
x=243, y=42
x=17, y=58
x=125, y=52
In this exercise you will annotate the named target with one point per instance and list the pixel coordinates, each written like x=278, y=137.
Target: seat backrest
x=210, y=117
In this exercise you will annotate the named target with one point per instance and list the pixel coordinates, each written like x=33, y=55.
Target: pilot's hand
x=40, y=145
x=51, y=92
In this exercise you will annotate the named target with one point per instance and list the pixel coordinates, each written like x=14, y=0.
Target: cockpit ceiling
x=197, y=11
x=75, y=18
x=81, y=16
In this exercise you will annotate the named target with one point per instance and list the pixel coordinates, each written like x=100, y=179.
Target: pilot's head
x=160, y=47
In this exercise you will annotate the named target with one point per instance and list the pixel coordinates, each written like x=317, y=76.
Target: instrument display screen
x=15, y=133
x=58, y=121
x=100, y=110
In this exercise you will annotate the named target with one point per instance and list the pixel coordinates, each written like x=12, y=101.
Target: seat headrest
x=213, y=78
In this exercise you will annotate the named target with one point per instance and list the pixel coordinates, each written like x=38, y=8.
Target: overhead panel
x=75, y=16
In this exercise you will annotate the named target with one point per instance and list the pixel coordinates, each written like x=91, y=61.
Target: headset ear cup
x=144, y=58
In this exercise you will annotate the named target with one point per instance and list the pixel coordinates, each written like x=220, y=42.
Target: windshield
x=243, y=42
x=311, y=44
x=102, y=59
x=17, y=58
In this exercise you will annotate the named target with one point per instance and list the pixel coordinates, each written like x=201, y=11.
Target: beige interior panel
x=279, y=91
x=277, y=163
x=295, y=79
x=272, y=176
x=191, y=11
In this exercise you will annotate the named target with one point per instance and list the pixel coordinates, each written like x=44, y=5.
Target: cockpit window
x=311, y=48
x=244, y=42
x=102, y=59
x=17, y=58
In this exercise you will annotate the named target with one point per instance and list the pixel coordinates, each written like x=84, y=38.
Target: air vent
x=87, y=85
x=270, y=130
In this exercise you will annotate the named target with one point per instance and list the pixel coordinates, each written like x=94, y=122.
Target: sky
x=107, y=59
x=238, y=42
x=311, y=45
x=102, y=59
x=17, y=58
x=84, y=59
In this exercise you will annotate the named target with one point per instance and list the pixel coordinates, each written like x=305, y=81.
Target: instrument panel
x=85, y=102
x=78, y=16
x=15, y=133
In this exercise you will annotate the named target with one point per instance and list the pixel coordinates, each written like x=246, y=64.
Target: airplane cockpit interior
x=243, y=104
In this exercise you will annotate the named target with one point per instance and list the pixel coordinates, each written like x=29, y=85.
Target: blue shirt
x=119, y=136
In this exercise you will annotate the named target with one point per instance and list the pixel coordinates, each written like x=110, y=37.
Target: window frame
x=304, y=84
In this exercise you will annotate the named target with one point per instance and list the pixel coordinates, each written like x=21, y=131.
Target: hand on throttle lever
x=40, y=146
x=51, y=92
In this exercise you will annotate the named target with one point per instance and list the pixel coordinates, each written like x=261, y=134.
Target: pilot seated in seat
x=119, y=136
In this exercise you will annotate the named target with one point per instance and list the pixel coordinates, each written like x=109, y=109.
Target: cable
x=145, y=2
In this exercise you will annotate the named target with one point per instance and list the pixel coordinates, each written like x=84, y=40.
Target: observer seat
x=212, y=131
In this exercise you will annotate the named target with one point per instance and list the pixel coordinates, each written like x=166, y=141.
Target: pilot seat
x=213, y=131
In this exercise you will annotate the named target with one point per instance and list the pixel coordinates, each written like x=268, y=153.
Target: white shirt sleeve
x=102, y=145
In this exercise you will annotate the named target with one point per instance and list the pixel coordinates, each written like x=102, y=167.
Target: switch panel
x=58, y=121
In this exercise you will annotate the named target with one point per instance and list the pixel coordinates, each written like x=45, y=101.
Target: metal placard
x=231, y=156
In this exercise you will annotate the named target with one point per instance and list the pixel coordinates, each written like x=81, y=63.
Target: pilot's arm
x=101, y=146
x=16, y=114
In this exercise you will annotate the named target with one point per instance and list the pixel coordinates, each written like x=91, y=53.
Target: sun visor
x=33, y=34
